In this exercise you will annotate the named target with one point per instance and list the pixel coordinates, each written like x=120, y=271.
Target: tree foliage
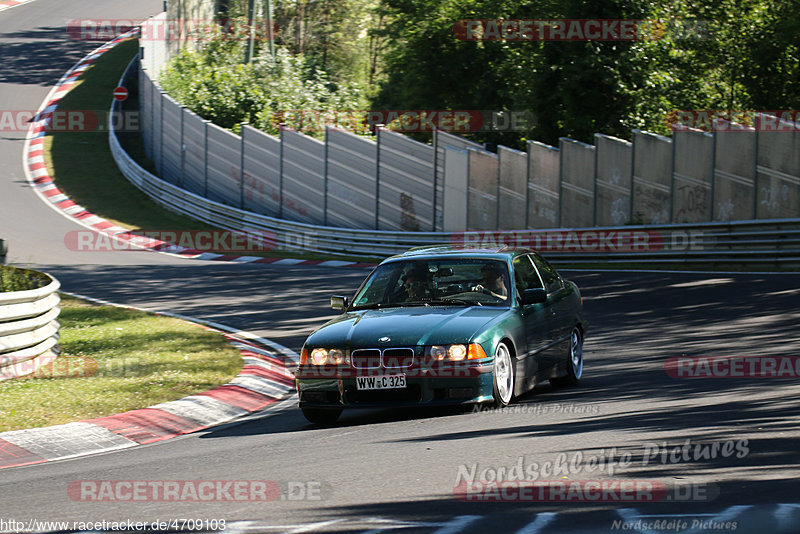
x=404, y=54
x=214, y=82
x=718, y=54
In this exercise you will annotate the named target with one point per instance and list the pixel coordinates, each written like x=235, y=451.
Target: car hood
x=405, y=326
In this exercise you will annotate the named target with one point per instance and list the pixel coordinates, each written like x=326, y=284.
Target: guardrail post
x=435, y=175
x=594, y=183
x=497, y=191
x=631, y=214
x=378, y=175
x=160, y=162
x=325, y=181
x=672, y=181
x=755, y=176
x=712, y=192
x=280, y=174
x=183, y=150
x=241, y=166
x=560, y=184
x=528, y=162
x=205, y=157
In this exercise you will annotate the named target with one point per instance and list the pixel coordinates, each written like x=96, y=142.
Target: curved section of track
x=399, y=469
x=265, y=379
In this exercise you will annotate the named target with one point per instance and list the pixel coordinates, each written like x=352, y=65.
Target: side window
x=525, y=275
x=552, y=282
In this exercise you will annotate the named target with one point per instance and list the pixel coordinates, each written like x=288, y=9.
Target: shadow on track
x=40, y=56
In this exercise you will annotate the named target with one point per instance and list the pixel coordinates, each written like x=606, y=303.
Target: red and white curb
x=265, y=381
x=8, y=4
x=42, y=183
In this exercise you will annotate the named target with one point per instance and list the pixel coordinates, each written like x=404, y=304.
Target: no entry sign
x=120, y=93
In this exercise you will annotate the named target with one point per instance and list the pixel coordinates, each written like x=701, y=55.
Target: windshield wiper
x=375, y=306
x=446, y=301
x=418, y=303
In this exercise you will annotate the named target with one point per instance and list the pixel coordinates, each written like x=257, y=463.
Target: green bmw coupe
x=444, y=325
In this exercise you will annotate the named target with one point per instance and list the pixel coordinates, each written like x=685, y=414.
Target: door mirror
x=339, y=303
x=534, y=296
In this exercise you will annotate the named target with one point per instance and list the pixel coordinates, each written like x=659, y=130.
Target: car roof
x=501, y=252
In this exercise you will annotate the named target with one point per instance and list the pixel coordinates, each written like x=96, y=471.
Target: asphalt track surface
x=395, y=470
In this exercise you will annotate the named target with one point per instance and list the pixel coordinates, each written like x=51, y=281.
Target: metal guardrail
x=28, y=329
x=753, y=242
x=773, y=242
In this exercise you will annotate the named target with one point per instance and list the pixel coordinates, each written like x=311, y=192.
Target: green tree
x=214, y=83
x=718, y=54
x=336, y=37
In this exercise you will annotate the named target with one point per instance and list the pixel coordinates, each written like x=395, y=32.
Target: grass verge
x=114, y=360
x=81, y=164
x=16, y=279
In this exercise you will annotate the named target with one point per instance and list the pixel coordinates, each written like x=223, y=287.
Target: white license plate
x=396, y=381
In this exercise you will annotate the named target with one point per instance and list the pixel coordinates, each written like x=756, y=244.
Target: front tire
x=575, y=363
x=503, y=390
x=322, y=416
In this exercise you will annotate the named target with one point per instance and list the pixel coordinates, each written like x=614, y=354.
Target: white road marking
x=238, y=527
x=783, y=513
x=395, y=524
x=542, y=520
x=314, y=526
x=458, y=524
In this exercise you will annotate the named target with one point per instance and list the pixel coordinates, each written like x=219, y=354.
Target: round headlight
x=438, y=353
x=335, y=356
x=319, y=356
x=457, y=352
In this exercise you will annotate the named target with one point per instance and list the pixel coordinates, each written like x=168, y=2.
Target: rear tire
x=321, y=416
x=503, y=390
x=575, y=362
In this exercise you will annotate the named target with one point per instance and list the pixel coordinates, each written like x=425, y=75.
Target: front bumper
x=441, y=386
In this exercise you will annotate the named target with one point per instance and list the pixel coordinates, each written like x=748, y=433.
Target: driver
x=493, y=283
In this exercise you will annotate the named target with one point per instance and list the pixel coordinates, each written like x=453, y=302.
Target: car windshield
x=459, y=282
